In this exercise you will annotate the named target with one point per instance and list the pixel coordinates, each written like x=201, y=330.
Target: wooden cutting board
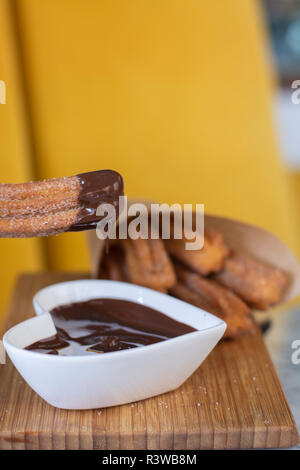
x=234, y=400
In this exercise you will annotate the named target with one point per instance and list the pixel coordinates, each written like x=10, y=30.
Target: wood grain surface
x=234, y=400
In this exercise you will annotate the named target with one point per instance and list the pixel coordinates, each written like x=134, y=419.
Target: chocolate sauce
x=97, y=187
x=106, y=325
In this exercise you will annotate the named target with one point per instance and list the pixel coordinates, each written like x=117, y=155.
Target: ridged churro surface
x=208, y=259
x=218, y=300
x=53, y=206
x=259, y=285
x=142, y=262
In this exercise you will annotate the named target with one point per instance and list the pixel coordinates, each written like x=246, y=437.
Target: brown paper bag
x=257, y=242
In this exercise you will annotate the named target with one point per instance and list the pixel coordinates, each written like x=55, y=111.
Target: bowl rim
x=108, y=355
x=106, y=282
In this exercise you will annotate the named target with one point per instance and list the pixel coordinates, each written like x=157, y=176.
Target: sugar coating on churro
x=148, y=263
x=259, y=285
x=208, y=259
x=141, y=262
x=208, y=295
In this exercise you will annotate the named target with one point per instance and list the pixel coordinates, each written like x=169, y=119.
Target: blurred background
x=189, y=100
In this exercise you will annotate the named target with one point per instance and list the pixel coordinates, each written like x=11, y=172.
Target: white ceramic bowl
x=83, y=382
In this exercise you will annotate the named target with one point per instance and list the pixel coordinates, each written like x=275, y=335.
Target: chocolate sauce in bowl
x=106, y=325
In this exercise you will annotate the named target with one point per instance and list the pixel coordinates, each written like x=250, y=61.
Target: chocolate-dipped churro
x=53, y=206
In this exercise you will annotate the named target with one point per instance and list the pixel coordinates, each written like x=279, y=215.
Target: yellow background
x=175, y=95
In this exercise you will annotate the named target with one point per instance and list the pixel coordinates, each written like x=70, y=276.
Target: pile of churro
x=215, y=278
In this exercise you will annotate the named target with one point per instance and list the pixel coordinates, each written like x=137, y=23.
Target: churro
x=142, y=262
x=113, y=265
x=148, y=263
x=259, y=285
x=53, y=206
x=210, y=296
x=208, y=259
